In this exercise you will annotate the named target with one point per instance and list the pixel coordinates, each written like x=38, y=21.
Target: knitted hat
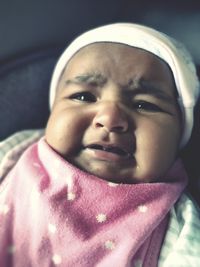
x=163, y=46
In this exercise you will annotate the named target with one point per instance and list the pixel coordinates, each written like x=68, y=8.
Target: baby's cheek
x=156, y=149
x=63, y=134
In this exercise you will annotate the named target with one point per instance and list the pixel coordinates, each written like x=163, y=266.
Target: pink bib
x=53, y=214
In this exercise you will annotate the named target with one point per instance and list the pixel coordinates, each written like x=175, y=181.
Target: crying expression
x=116, y=115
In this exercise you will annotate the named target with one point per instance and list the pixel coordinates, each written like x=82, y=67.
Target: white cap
x=163, y=46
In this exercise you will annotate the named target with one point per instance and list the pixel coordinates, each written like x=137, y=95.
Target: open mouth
x=111, y=149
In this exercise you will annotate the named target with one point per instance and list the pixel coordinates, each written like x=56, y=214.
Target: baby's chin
x=111, y=174
x=125, y=176
x=121, y=173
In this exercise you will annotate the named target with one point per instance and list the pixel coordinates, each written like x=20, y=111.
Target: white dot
x=71, y=196
x=101, y=217
x=69, y=182
x=138, y=263
x=52, y=228
x=4, y=209
x=142, y=208
x=56, y=259
x=109, y=244
x=112, y=184
x=11, y=249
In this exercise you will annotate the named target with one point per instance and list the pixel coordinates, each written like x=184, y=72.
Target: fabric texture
x=181, y=247
x=12, y=148
x=63, y=216
x=166, y=48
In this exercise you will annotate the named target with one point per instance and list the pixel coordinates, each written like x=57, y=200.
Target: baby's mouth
x=110, y=149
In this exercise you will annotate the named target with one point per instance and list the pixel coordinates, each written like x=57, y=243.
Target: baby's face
x=116, y=115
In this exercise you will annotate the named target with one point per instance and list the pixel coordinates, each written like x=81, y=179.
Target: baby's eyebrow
x=90, y=78
x=148, y=88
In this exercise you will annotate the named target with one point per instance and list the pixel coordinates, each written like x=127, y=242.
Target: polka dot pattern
x=68, y=220
x=112, y=184
x=142, y=208
x=57, y=259
x=101, y=217
x=52, y=228
x=109, y=244
x=71, y=196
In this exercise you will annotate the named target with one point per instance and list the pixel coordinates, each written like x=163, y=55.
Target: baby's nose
x=111, y=117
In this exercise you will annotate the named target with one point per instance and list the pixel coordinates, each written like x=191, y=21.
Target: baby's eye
x=84, y=96
x=147, y=106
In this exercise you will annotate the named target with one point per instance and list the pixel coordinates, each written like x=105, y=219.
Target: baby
x=105, y=186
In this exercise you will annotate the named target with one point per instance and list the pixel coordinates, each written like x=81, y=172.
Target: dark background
x=34, y=32
x=31, y=24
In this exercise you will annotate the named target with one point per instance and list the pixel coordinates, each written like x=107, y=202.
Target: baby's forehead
x=134, y=68
x=95, y=59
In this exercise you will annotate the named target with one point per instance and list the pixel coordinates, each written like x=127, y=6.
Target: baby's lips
x=115, y=149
